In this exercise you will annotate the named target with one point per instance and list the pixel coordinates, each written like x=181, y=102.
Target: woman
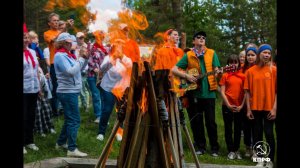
x=68, y=73
x=116, y=69
x=31, y=88
x=261, y=90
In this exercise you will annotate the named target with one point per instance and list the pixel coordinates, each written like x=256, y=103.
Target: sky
x=106, y=9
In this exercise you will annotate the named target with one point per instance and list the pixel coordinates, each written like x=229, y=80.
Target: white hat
x=64, y=37
x=79, y=34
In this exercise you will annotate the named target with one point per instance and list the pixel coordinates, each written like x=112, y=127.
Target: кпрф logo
x=262, y=150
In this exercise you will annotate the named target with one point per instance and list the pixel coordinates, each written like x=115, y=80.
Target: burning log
x=138, y=149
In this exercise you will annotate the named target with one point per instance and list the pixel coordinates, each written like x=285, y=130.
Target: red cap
x=25, y=28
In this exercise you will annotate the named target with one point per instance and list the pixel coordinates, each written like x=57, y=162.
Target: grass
x=88, y=143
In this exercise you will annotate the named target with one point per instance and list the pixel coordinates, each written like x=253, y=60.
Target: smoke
x=106, y=10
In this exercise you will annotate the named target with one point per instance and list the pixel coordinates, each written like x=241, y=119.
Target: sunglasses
x=199, y=37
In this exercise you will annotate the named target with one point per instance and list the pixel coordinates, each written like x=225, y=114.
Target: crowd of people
x=70, y=69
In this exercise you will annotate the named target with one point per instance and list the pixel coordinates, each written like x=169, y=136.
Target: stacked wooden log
x=145, y=142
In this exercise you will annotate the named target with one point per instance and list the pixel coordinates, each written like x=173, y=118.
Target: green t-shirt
x=204, y=93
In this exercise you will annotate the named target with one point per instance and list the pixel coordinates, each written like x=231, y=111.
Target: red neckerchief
x=237, y=74
x=70, y=55
x=101, y=47
x=28, y=54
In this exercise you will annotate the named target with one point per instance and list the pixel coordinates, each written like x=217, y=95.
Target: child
x=233, y=100
x=261, y=98
x=43, y=118
x=251, y=54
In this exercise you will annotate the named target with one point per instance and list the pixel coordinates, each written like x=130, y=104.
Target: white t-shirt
x=46, y=52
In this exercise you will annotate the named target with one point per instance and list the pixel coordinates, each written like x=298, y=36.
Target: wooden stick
x=142, y=158
x=188, y=138
x=181, y=151
x=173, y=152
x=108, y=144
x=155, y=116
x=129, y=110
x=173, y=123
x=133, y=143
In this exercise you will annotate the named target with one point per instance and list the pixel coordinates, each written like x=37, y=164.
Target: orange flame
x=143, y=101
x=84, y=14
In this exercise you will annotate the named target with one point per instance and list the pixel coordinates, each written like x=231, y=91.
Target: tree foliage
x=229, y=24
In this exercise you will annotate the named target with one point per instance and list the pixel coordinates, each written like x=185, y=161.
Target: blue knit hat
x=264, y=47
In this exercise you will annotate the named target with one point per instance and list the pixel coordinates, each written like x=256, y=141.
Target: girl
x=233, y=100
x=261, y=90
x=247, y=124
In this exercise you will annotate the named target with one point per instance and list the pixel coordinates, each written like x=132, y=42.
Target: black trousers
x=247, y=127
x=29, y=107
x=232, y=119
x=262, y=124
x=161, y=83
x=54, y=100
x=196, y=110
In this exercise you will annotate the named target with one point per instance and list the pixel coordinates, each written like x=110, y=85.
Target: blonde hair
x=260, y=62
x=32, y=34
x=242, y=53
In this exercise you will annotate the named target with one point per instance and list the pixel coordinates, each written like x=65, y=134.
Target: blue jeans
x=109, y=100
x=85, y=88
x=72, y=119
x=95, y=96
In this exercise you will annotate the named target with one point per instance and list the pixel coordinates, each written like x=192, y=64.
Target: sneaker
x=97, y=120
x=76, y=153
x=260, y=164
x=231, y=155
x=100, y=137
x=238, y=155
x=43, y=135
x=214, y=154
x=24, y=150
x=52, y=131
x=33, y=147
x=269, y=164
x=119, y=137
x=200, y=152
x=64, y=146
x=248, y=151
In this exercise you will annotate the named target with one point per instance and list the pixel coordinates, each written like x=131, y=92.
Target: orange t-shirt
x=233, y=87
x=167, y=57
x=262, y=85
x=131, y=50
x=49, y=37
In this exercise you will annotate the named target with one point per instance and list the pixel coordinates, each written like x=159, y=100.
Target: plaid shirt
x=95, y=60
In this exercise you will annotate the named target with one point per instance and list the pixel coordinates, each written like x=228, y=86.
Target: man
x=85, y=87
x=201, y=100
x=50, y=37
x=131, y=48
x=166, y=57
